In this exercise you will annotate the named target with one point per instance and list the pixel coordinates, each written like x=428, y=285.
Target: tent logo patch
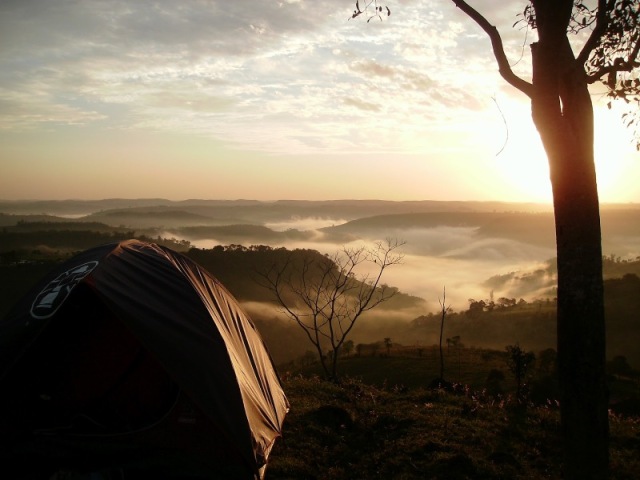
x=51, y=298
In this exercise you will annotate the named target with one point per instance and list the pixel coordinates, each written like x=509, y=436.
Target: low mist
x=464, y=251
x=455, y=258
x=450, y=264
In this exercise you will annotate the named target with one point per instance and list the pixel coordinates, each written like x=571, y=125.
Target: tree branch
x=602, y=19
x=619, y=65
x=498, y=49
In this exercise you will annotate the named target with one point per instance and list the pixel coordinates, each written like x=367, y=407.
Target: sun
x=520, y=165
x=617, y=161
x=516, y=156
x=524, y=167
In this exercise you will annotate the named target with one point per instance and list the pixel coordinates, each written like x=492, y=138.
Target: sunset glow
x=281, y=100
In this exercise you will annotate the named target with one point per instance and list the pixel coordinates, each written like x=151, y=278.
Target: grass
x=360, y=431
x=412, y=367
x=464, y=365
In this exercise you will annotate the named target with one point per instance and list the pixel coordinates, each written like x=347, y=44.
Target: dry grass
x=359, y=431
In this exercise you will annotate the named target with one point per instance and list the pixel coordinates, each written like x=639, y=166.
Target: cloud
x=143, y=27
x=304, y=223
x=176, y=65
x=188, y=101
x=361, y=104
x=373, y=68
x=118, y=52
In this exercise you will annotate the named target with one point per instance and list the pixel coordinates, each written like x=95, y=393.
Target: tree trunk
x=441, y=355
x=323, y=361
x=562, y=112
x=334, y=365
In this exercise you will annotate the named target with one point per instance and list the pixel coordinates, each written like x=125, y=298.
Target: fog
x=304, y=224
x=504, y=256
x=456, y=258
x=472, y=251
x=460, y=279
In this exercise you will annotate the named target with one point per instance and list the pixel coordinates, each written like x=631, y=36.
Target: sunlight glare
x=520, y=163
x=615, y=155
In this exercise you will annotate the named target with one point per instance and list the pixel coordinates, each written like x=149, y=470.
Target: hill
x=155, y=217
x=349, y=209
x=30, y=249
x=534, y=228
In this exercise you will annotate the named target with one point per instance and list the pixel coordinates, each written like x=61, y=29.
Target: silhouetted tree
x=544, y=386
x=519, y=363
x=443, y=313
x=504, y=302
x=326, y=296
x=388, y=344
x=619, y=366
x=455, y=341
x=476, y=308
x=562, y=112
x=547, y=362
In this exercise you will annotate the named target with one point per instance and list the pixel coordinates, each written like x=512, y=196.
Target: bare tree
x=562, y=112
x=445, y=308
x=326, y=296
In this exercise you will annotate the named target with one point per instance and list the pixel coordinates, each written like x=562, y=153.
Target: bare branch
x=506, y=126
x=498, y=49
x=445, y=309
x=378, y=9
x=326, y=297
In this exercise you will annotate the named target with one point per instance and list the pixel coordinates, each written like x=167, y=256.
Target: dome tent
x=132, y=357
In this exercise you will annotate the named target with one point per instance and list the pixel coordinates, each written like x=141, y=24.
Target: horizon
x=548, y=203
x=284, y=199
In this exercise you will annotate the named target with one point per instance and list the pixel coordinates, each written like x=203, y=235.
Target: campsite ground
x=356, y=430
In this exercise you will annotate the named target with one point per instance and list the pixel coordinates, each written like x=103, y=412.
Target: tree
x=347, y=347
x=388, y=344
x=544, y=387
x=619, y=366
x=476, y=308
x=519, y=363
x=547, y=360
x=444, y=309
x=562, y=112
x=326, y=296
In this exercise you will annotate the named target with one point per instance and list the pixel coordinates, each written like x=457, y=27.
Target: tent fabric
x=181, y=322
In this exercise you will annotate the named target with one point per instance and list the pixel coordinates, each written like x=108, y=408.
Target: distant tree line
x=34, y=240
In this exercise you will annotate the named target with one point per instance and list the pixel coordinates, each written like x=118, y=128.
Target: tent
x=132, y=358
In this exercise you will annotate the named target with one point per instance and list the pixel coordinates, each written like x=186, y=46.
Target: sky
x=270, y=100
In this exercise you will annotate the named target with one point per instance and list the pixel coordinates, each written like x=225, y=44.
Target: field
x=414, y=367
x=359, y=431
x=476, y=369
